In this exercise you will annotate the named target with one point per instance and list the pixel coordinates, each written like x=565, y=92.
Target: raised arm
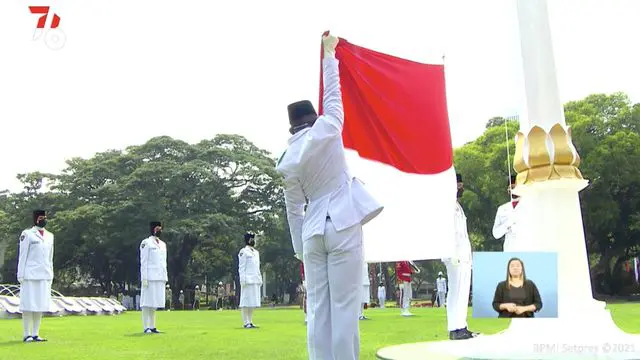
x=295, y=201
x=330, y=124
x=22, y=256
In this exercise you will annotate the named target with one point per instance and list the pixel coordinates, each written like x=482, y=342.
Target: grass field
x=219, y=335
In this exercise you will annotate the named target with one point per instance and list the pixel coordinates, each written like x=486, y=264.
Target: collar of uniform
x=298, y=135
x=36, y=231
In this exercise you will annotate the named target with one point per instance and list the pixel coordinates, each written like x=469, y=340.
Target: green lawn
x=219, y=335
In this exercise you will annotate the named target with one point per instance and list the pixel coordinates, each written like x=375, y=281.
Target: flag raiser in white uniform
x=328, y=236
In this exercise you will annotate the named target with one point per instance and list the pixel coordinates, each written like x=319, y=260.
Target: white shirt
x=315, y=169
x=381, y=290
x=249, y=266
x=505, y=225
x=35, y=258
x=441, y=284
x=153, y=260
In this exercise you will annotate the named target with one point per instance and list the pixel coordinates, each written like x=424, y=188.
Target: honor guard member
x=153, y=272
x=366, y=290
x=220, y=296
x=459, y=273
x=505, y=222
x=250, y=279
x=169, y=297
x=196, y=298
x=403, y=274
x=328, y=236
x=35, y=275
x=441, y=289
x=382, y=295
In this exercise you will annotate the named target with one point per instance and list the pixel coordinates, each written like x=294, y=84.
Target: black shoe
x=459, y=334
x=27, y=339
x=473, y=334
x=247, y=326
x=38, y=339
x=252, y=326
x=155, y=331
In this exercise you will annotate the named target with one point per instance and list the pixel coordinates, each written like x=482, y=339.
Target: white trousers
x=442, y=298
x=459, y=285
x=382, y=297
x=333, y=272
x=406, y=293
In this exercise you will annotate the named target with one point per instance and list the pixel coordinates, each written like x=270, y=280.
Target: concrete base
x=592, y=336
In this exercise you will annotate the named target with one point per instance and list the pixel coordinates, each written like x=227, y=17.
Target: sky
x=189, y=69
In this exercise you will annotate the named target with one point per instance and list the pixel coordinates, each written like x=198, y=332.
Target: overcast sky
x=131, y=70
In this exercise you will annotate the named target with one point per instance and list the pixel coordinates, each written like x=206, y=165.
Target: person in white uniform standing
x=250, y=279
x=382, y=295
x=459, y=273
x=441, y=288
x=328, y=235
x=153, y=273
x=366, y=290
x=505, y=223
x=35, y=275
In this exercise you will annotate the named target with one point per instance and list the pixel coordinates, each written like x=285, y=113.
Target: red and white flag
x=398, y=143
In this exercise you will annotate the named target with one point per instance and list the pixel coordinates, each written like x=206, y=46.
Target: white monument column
x=549, y=183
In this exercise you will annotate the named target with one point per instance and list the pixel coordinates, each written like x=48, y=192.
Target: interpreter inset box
x=515, y=285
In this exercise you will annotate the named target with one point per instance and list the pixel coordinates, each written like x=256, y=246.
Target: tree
x=605, y=131
x=206, y=194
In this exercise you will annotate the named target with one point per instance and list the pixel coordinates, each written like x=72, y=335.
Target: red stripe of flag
x=395, y=110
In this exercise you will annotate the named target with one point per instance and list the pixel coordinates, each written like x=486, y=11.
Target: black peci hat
x=299, y=110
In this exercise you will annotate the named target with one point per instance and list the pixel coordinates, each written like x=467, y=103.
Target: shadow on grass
x=15, y=343
x=141, y=334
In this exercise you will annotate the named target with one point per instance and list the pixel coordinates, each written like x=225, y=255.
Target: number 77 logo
x=42, y=21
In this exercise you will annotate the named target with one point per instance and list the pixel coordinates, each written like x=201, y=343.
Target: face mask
x=252, y=242
x=42, y=223
x=158, y=233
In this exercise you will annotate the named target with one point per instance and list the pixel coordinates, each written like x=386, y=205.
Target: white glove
x=329, y=43
x=145, y=283
x=20, y=280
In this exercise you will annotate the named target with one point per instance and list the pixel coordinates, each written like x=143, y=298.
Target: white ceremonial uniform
x=459, y=273
x=35, y=270
x=382, y=296
x=329, y=234
x=441, y=287
x=505, y=225
x=153, y=269
x=250, y=277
